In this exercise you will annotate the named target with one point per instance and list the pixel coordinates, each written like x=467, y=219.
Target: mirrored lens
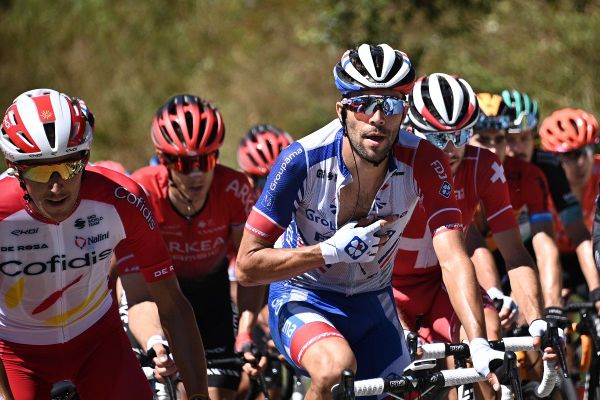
x=493, y=123
x=389, y=105
x=441, y=139
x=574, y=155
x=42, y=173
x=186, y=165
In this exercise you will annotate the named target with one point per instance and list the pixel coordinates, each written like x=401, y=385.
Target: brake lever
x=551, y=339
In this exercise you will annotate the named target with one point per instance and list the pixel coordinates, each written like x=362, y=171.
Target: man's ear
x=341, y=111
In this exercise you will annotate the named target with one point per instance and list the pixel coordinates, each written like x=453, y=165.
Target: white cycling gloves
x=507, y=301
x=538, y=327
x=482, y=354
x=351, y=244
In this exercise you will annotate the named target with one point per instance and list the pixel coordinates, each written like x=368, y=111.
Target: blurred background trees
x=270, y=61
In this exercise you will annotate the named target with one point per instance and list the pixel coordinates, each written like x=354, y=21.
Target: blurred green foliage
x=271, y=61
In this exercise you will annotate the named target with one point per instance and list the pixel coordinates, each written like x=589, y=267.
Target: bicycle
x=420, y=377
x=588, y=328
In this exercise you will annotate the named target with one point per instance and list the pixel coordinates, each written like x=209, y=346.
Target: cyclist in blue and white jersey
x=341, y=198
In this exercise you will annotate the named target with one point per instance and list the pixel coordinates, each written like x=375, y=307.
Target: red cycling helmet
x=260, y=147
x=186, y=125
x=568, y=129
x=44, y=124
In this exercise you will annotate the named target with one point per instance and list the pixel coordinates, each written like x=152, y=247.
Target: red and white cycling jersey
x=199, y=244
x=479, y=180
x=54, y=276
x=588, y=205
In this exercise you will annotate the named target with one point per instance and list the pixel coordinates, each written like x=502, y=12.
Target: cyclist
x=257, y=151
x=341, y=196
x=529, y=196
x=200, y=207
x=62, y=220
x=443, y=110
x=571, y=134
x=114, y=165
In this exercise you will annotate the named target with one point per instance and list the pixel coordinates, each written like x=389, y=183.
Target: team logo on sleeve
x=446, y=189
x=356, y=248
x=498, y=173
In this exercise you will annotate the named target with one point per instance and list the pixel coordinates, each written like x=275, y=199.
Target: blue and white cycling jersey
x=301, y=200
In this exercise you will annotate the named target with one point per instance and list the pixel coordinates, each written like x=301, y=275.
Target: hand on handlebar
x=164, y=366
x=484, y=358
x=255, y=362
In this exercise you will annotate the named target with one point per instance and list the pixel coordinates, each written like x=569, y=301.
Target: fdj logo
x=446, y=189
x=356, y=248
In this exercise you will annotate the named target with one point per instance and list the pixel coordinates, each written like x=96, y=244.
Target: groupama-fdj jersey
x=301, y=194
x=55, y=275
x=479, y=180
x=354, y=301
x=198, y=246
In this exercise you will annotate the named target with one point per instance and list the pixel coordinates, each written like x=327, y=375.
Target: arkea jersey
x=479, y=180
x=301, y=201
x=588, y=203
x=54, y=276
x=199, y=244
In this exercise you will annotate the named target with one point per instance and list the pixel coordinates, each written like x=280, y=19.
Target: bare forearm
x=485, y=268
x=526, y=291
x=465, y=295
x=186, y=342
x=588, y=266
x=550, y=273
x=144, y=322
x=250, y=300
x=266, y=265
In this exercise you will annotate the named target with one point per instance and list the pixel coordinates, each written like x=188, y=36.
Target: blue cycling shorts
x=299, y=318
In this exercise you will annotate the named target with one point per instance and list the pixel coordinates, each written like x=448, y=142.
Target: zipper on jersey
x=60, y=274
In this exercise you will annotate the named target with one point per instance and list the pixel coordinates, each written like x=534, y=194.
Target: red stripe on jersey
x=309, y=334
x=260, y=226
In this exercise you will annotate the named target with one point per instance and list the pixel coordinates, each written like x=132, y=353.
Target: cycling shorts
x=429, y=302
x=211, y=300
x=99, y=362
x=368, y=321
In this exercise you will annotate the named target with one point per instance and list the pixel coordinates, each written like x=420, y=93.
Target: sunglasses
x=260, y=182
x=367, y=104
x=187, y=164
x=574, y=155
x=42, y=173
x=493, y=123
x=441, y=139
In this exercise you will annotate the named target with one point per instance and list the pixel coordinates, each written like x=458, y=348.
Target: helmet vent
x=49, y=128
x=23, y=138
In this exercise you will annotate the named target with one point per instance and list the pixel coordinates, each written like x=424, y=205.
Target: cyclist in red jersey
x=529, y=196
x=63, y=220
x=478, y=177
x=201, y=207
x=572, y=133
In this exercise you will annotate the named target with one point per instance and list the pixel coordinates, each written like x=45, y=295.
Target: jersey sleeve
x=493, y=191
x=435, y=185
x=274, y=209
x=143, y=249
x=536, y=195
x=241, y=198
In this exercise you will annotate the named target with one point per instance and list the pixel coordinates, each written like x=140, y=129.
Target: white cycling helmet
x=373, y=67
x=45, y=124
x=442, y=103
